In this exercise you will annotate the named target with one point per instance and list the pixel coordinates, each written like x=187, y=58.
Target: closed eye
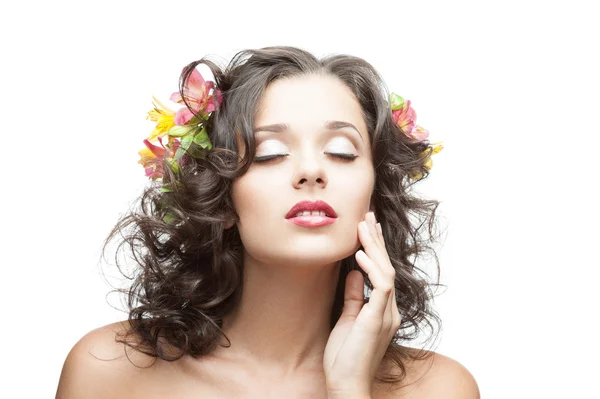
x=267, y=158
x=345, y=157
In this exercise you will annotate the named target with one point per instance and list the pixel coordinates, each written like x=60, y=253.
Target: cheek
x=252, y=194
x=355, y=188
x=258, y=203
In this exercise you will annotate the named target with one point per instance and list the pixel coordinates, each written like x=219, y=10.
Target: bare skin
x=280, y=329
x=289, y=287
x=98, y=368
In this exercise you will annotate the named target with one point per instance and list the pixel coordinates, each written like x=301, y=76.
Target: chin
x=298, y=247
x=305, y=252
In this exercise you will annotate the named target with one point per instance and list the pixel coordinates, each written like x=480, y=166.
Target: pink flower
x=152, y=157
x=405, y=117
x=197, y=94
x=419, y=133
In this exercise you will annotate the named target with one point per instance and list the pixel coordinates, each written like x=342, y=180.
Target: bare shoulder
x=100, y=367
x=449, y=379
x=436, y=376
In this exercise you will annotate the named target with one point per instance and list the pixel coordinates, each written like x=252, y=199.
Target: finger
x=378, y=254
x=388, y=318
x=380, y=233
x=374, y=251
x=370, y=219
x=384, y=270
x=391, y=314
x=382, y=289
x=377, y=232
x=396, y=318
x=354, y=294
x=368, y=238
x=381, y=239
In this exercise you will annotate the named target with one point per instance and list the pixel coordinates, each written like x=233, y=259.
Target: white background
x=511, y=88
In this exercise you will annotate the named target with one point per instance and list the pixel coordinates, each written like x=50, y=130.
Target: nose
x=309, y=173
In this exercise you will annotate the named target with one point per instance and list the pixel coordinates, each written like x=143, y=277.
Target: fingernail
x=378, y=225
x=373, y=217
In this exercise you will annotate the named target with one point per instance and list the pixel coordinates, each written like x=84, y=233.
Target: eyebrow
x=329, y=125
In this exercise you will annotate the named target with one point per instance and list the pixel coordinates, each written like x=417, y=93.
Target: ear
x=229, y=224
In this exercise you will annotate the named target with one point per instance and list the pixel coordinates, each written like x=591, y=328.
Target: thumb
x=354, y=294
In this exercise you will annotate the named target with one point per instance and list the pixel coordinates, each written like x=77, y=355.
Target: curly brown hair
x=189, y=266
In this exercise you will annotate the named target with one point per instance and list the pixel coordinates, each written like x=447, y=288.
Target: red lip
x=311, y=206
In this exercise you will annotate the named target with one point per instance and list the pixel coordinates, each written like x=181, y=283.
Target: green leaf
x=166, y=189
x=203, y=140
x=178, y=131
x=169, y=218
x=396, y=101
x=186, y=141
x=179, y=153
x=196, y=120
x=196, y=151
x=173, y=164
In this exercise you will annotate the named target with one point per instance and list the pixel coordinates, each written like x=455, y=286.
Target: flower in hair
x=405, y=118
x=184, y=129
x=164, y=118
x=426, y=154
x=196, y=94
x=152, y=158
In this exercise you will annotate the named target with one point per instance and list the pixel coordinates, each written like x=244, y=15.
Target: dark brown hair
x=189, y=270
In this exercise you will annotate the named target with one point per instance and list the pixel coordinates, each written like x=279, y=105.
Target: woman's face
x=314, y=115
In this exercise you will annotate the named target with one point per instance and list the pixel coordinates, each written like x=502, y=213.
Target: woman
x=280, y=190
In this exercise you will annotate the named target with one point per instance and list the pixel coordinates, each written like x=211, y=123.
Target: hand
x=361, y=336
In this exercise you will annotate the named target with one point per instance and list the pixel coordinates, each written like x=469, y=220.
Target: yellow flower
x=436, y=148
x=417, y=174
x=165, y=118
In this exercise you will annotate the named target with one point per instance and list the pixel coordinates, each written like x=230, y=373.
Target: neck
x=283, y=318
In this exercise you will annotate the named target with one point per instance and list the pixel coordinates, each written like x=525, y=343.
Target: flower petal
x=214, y=101
x=211, y=106
x=162, y=127
x=176, y=97
x=195, y=81
x=166, y=110
x=145, y=156
x=419, y=133
x=156, y=150
x=183, y=116
x=192, y=97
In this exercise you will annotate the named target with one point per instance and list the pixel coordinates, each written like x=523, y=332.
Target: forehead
x=309, y=101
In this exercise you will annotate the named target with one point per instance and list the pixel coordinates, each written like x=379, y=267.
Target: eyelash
x=343, y=157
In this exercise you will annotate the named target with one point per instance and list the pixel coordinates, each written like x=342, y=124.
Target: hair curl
x=190, y=269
